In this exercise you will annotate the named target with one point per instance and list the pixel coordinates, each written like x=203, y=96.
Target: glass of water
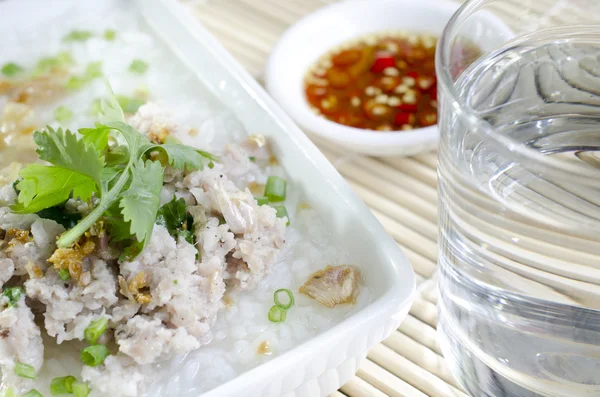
x=519, y=184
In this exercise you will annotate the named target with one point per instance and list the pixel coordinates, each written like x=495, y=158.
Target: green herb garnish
x=11, y=69
x=130, y=105
x=138, y=66
x=109, y=34
x=50, y=64
x=93, y=70
x=261, y=200
x=13, y=294
x=78, y=35
x=64, y=274
x=281, y=212
x=126, y=182
x=94, y=355
x=59, y=215
x=8, y=392
x=175, y=218
x=25, y=371
x=75, y=83
x=289, y=298
x=33, y=393
x=63, y=114
x=95, y=329
x=80, y=389
x=277, y=314
x=62, y=385
x=275, y=189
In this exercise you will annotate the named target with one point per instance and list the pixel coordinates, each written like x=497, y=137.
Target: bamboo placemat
x=401, y=192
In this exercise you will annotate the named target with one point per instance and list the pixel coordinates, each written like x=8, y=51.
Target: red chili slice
x=413, y=74
x=382, y=60
x=402, y=118
x=408, y=107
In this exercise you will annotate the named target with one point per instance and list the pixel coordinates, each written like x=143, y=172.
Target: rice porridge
x=151, y=237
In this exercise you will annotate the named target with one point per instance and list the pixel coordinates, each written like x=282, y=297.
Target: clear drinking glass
x=519, y=184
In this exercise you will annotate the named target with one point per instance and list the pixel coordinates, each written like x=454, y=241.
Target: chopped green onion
x=75, y=83
x=130, y=105
x=8, y=392
x=64, y=274
x=25, y=371
x=110, y=35
x=252, y=158
x=261, y=200
x=96, y=107
x=290, y=298
x=78, y=35
x=48, y=64
x=211, y=165
x=138, y=66
x=275, y=189
x=94, y=355
x=33, y=393
x=62, y=385
x=281, y=212
x=93, y=70
x=62, y=114
x=175, y=282
x=277, y=314
x=80, y=389
x=13, y=295
x=10, y=69
x=95, y=329
x=64, y=58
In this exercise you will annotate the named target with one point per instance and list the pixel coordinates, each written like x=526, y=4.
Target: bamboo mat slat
x=401, y=192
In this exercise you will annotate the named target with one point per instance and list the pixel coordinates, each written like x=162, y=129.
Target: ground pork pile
x=158, y=305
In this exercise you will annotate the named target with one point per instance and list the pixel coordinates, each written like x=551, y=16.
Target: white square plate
x=322, y=364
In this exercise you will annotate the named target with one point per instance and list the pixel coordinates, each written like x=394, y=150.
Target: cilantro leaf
x=137, y=143
x=46, y=186
x=63, y=149
x=118, y=229
x=172, y=215
x=175, y=218
x=60, y=215
x=188, y=235
x=111, y=108
x=96, y=136
x=141, y=201
x=181, y=156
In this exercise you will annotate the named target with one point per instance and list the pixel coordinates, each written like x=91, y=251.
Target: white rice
x=243, y=326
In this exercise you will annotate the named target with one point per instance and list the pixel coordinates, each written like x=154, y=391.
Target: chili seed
x=381, y=98
x=394, y=101
x=391, y=71
x=408, y=81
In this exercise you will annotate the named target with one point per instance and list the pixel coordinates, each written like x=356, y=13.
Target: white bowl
x=303, y=43
x=322, y=364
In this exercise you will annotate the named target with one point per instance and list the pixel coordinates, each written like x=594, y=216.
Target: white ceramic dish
x=322, y=364
x=303, y=43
